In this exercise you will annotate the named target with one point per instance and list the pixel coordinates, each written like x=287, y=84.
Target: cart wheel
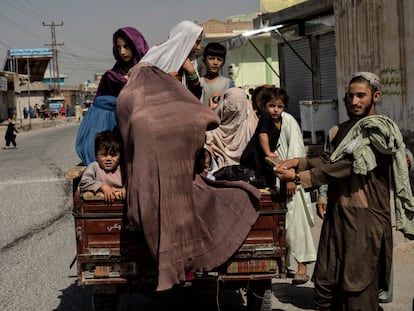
x=104, y=302
x=259, y=295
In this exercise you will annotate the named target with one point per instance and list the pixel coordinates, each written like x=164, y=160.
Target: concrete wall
x=376, y=35
x=249, y=68
x=6, y=104
x=23, y=101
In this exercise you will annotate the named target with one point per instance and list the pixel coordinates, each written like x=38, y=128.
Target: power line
x=23, y=9
x=5, y=44
x=19, y=26
x=34, y=12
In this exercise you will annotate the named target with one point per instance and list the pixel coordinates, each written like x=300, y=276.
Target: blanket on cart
x=190, y=223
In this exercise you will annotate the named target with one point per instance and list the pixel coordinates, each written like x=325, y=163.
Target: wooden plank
x=75, y=172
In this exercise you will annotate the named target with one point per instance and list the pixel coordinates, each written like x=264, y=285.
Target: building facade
x=26, y=82
x=369, y=35
x=251, y=61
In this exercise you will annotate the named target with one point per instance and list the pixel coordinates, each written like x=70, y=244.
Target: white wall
x=249, y=68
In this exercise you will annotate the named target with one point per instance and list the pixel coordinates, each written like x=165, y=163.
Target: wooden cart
x=112, y=255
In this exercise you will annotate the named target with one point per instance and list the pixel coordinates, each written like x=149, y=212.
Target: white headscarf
x=170, y=55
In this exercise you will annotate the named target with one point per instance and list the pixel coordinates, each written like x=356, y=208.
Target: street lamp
x=256, y=32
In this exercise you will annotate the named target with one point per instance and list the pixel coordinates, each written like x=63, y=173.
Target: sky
x=88, y=25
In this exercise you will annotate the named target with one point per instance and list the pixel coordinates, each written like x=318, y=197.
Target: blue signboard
x=55, y=106
x=31, y=52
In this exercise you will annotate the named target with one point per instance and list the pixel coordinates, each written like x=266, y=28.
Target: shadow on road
x=200, y=298
x=75, y=298
x=297, y=296
x=186, y=299
x=181, y=298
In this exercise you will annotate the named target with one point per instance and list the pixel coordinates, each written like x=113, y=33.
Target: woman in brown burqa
x=190, y=223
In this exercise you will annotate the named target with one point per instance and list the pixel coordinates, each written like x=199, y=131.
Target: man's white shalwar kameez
x=299, y=217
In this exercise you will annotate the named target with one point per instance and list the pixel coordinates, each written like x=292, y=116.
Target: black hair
x=255, y=94
x=215, y=49
x=109, y=142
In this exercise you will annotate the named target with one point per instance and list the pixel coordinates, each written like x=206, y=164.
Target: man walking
x=355, y=246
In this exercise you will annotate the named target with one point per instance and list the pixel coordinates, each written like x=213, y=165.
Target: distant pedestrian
x=10, y=137
x=25, y=113
x=78, y=112
x=37, y=110
x=43, y=113
x=32, y=113
x=68, y=111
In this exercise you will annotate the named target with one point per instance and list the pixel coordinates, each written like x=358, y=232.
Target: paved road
x=36, y=226
x=35, y=266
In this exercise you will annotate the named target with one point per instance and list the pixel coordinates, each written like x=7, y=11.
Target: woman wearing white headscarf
x=163, y=130
x=238, y=123
x=176, y=56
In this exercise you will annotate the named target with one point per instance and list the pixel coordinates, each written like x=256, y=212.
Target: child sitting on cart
x=104, y=174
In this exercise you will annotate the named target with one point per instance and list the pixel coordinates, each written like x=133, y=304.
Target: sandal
x=300, y=279
x=290, y=273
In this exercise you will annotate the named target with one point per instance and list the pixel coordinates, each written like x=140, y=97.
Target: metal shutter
x=327, y=62
x=298, y=78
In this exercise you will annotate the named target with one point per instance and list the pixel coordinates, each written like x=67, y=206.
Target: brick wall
x=217, y=26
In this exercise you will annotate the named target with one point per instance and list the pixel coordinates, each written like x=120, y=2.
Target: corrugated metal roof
x=36, y=65
x=292, y=14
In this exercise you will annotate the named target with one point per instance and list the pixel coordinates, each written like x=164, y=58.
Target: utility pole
x=28, y=91
x=56, y=78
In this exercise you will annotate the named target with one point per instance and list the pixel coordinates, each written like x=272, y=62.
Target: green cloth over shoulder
x=381, y=133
